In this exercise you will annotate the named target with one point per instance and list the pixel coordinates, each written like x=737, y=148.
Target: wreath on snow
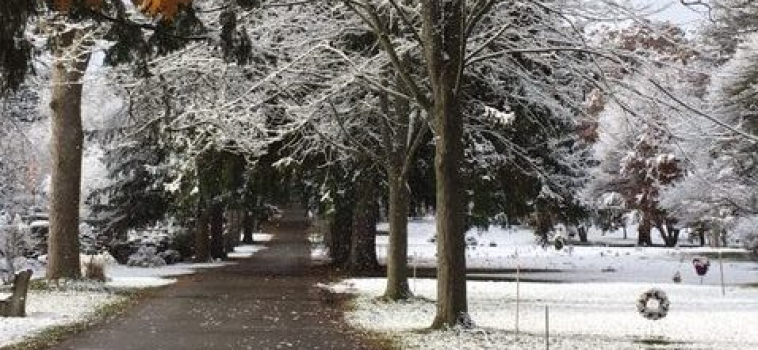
x=653, y=304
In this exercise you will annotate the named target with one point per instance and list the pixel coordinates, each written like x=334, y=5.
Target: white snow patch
x=138, y=282
x=47, y=309
x=122, y=271
x=245, y=251
x=582, y=316
x=497, y=252
x=262, y=237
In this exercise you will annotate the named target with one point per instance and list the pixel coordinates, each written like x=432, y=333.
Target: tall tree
x=445, y=49
x=72, y=53
x=71, y=43
x=639, y=148
x=719, y=193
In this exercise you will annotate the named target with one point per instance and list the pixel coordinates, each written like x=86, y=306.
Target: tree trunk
x=543, y=225
x=397, y=254
x=701, y=236
x=233, y=232
x=443, y=23
x=248, y=227
x=643, y=230
x=66, y=147
x=340, y=231
x=582, y=232
x=363, y=241
x=202, y=241
x=669, y=234
x=217, y=231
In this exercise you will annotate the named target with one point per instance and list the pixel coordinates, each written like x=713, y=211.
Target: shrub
x=94, y=269
x=183, y=243
x=146, y=256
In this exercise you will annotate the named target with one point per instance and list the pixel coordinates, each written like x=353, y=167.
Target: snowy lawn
x=582, y=316
x=590, y=291
x=496, y=253
x=47, y=309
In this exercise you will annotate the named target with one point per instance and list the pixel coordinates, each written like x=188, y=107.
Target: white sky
x=674, y=11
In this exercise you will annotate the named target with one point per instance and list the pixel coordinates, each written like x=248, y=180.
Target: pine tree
x=15, y=56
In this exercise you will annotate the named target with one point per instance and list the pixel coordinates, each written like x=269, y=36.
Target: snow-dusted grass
x=591, y=292
x=582, y=316
x=46, y=309
x=499, y=251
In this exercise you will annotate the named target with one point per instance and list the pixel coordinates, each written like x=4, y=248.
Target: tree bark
x=248, y=227
x=700, y=232
x=202, y=241
x=363, y=241
x=443, y=35
x=340, y=231
x=643, y=230
x=669, y=234
x=217, y=231
x=582, y=232
x=66, y=146
x=233, y=232
x=400, y=150
x=397, y=254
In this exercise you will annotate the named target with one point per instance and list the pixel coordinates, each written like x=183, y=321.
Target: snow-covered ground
x=498, y=252
x=126, y=277
x=582, y=316
x=245, y=251
x=591, y=293
x=51, y=308
x=46, y=309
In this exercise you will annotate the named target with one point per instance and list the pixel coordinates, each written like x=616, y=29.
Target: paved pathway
x=265, y=302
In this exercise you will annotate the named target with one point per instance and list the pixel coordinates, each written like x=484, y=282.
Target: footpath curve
x=265, y=302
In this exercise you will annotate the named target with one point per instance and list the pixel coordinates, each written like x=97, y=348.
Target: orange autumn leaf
x=167, y=9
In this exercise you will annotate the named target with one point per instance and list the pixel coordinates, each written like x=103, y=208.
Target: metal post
x=518, y=295
x=547, y=327
x=415, y=264
x=721, y=268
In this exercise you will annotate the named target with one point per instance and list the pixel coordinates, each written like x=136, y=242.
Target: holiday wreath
x=653, y=304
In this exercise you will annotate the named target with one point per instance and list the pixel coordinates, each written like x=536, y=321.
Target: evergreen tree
x=15, y=56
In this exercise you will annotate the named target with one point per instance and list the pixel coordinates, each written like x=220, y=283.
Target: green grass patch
x=38, y=284
x=56, y=334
